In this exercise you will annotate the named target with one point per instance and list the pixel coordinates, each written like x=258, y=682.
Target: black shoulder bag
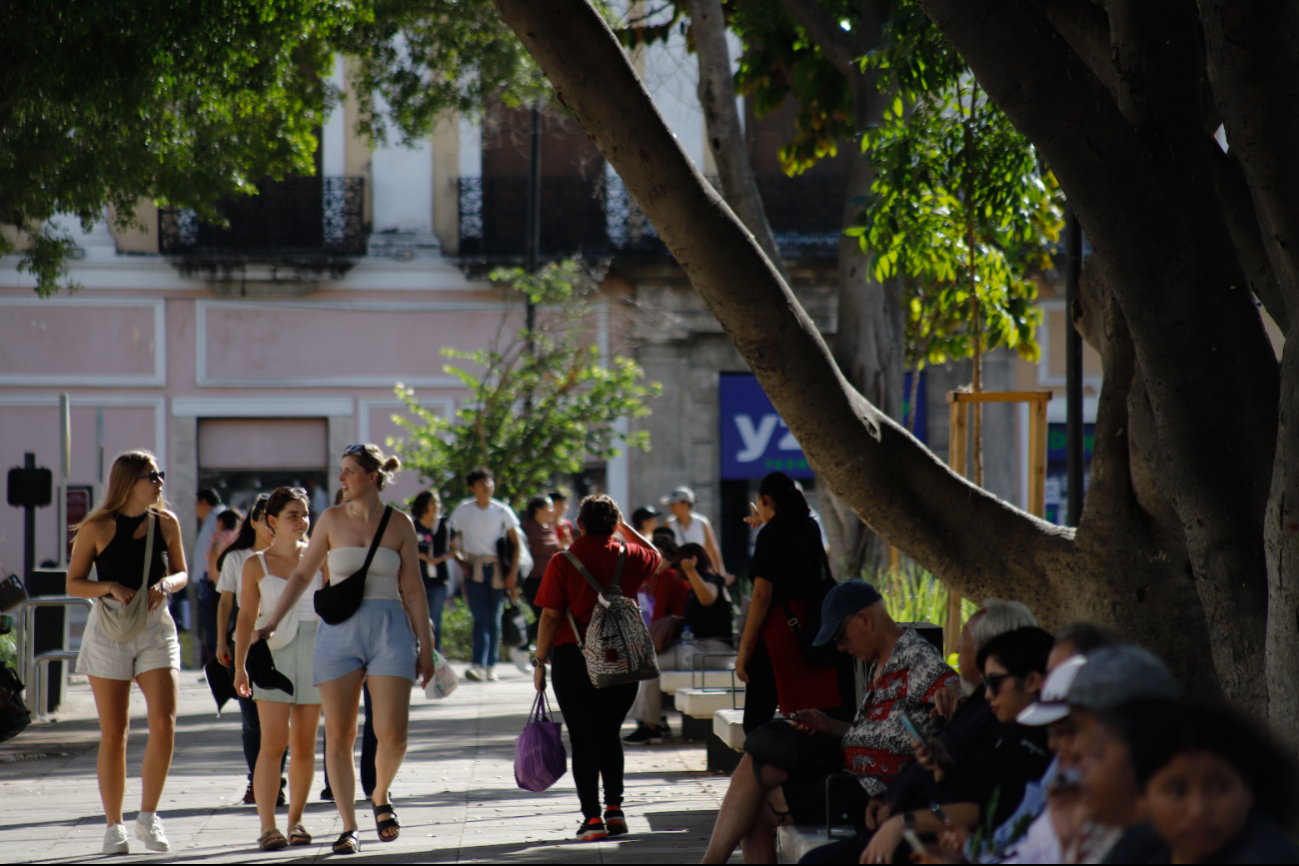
x=805, y=630
x=337, y=602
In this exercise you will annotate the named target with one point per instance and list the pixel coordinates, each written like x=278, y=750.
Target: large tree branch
x=1085, y=25
x=953, y=528
x=725, y=135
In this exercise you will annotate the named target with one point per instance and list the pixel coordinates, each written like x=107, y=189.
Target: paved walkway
x=456, y=792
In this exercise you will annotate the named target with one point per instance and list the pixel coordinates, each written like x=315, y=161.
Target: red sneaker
x=615, y=821
x=592, y=830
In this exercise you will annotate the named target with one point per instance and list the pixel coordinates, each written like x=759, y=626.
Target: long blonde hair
x=127, y=468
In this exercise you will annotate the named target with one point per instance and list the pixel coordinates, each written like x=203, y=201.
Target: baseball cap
x=680, y=494
x=1053, y=706
x=847, y=597
x=1114, y=676
x=642, y=514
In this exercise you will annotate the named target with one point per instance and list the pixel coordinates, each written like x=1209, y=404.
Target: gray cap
x=681, y=494
x=1114, y=676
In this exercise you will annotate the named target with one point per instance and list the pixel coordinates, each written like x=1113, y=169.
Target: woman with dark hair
x=593, y=716
x=285, y=717
x=431, y=530
x=377, y=645
x=134, y=545
x=787, y=563
x=253, y=535
x=1214, y=787
x=538, y=527
x=706, y=611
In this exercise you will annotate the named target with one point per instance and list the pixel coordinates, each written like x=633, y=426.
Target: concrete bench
x=726, y=740
x=698, y=705
x=670, y=681
x=793, y=843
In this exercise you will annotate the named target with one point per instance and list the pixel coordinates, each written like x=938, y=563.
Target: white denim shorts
x=155, y=647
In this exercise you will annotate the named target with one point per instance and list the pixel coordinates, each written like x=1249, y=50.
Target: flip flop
x=348, y=843
x=392, y=823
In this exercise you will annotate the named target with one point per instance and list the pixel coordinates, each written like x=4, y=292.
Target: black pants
x=369, y=746
x=594, y=718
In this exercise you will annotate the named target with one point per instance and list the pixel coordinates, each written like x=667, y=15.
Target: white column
x=333, y=137
x=98, y=243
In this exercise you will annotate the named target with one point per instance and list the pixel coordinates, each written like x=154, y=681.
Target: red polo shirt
x=562, y=586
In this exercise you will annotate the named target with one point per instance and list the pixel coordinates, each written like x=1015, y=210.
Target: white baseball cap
x=681, y=494
x=1053, y=705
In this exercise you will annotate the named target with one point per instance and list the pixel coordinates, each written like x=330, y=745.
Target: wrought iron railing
x=297, y=216
x=600, y=217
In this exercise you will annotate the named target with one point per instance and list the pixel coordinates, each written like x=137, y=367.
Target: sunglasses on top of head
x=354, y=449
x=156, y=476
x=292, y=491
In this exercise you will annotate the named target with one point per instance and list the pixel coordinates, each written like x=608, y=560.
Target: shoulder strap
x=590, y=578
x=266, y=572
x=148, y=550
x=826, y=572
x=378, y=537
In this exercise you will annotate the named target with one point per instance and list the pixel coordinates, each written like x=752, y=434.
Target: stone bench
x=726, y=740
x=671, y=681
x=698, y=705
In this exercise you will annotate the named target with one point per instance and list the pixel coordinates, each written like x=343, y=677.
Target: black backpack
x=14, y=715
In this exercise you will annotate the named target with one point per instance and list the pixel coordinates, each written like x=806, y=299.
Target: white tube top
x=380, y=583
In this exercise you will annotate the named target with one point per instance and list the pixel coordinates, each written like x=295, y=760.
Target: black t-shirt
x=788, y=553
x=1018, y=755
x=973, y=726
x=433, y=542
x=709, y=620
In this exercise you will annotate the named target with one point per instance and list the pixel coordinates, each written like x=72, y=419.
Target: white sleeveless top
x=380, y=583
x=271, y=587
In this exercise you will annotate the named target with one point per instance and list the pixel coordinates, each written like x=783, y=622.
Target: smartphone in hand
x=912, y=730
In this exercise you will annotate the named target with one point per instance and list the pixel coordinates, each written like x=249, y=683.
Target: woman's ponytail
x=781, y=490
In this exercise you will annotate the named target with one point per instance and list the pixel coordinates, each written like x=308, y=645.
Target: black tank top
x=122, y=561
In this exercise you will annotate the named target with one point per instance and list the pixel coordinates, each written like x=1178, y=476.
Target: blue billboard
x=754, y=438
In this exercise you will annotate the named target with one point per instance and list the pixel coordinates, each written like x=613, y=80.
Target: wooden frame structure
x=962, y=403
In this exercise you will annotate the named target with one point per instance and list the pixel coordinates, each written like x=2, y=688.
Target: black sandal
x=348, y=843
x=392, y=823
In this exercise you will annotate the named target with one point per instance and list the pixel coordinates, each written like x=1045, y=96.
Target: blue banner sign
x=754, y=438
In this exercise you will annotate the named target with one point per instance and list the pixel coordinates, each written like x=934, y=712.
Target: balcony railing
x=600, y=217
x=300, y=217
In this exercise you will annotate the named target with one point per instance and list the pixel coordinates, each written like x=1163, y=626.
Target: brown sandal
x=272, y=840
x=348, y=843
x=298, y=835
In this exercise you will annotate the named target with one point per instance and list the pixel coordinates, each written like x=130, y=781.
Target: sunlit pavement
x=455, y=794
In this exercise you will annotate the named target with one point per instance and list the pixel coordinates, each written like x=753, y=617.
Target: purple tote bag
x=539, y=754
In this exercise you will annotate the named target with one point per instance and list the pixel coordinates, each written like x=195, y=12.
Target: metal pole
x=29, y=529
x=65, y=473
x=533, y=249
x=1073, y=371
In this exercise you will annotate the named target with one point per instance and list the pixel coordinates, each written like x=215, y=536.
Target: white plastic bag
x=444, y=679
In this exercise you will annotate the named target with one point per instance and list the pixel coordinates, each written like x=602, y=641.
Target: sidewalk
x=456, y=792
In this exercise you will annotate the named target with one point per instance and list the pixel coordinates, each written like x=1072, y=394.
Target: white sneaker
x=152, y=834
x=522, y=660
x=476, y=674
x=115, y=840
x=492, y=676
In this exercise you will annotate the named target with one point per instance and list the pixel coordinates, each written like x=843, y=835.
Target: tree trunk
x=1121, y=568
x=725, y=132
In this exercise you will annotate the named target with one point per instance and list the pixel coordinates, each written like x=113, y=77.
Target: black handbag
x=12, y=593
x=14, y=716
x=805, y=630
x=514, y=626
x=337, y=602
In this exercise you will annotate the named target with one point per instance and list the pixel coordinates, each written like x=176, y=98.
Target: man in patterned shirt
x=782, y=776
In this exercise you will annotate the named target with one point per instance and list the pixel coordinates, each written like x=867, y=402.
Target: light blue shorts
x=377, y=637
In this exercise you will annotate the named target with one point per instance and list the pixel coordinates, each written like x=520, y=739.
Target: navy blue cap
x=845, y=599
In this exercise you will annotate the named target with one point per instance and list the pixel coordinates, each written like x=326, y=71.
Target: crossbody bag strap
x=378, y=537
x=590, y=578
x=148, y=551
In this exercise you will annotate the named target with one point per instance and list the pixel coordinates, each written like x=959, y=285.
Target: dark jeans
x=369, y=746
x=207, y=611
x=436, y=591
x=530, y=587
x=486, y=605
x=594, y=718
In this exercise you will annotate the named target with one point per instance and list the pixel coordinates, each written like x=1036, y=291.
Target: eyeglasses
x=296, y=492
x=842, y=634
x=156, y=476
x=992, y=682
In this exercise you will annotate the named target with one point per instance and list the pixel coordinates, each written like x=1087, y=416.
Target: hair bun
x=392, y=464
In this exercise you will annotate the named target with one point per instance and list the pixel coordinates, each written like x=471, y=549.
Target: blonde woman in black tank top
x=113, y=539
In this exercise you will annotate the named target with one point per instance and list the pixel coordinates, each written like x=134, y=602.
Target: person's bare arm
x=412, y=586
x=89, y=542
x=547, y=627
x=704, y=591
x=177, y=576
x=244, y=634
x=313, y=558
x=224, y=605
x=759, y=605
x=710, y=544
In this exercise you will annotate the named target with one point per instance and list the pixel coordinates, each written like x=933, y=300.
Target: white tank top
x=380, y=582
x=271, y=587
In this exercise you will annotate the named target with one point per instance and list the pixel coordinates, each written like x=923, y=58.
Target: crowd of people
x=1071, y=747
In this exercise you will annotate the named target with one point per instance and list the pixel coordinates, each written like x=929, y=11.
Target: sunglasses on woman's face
x=156, y=476
x=992, y=682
